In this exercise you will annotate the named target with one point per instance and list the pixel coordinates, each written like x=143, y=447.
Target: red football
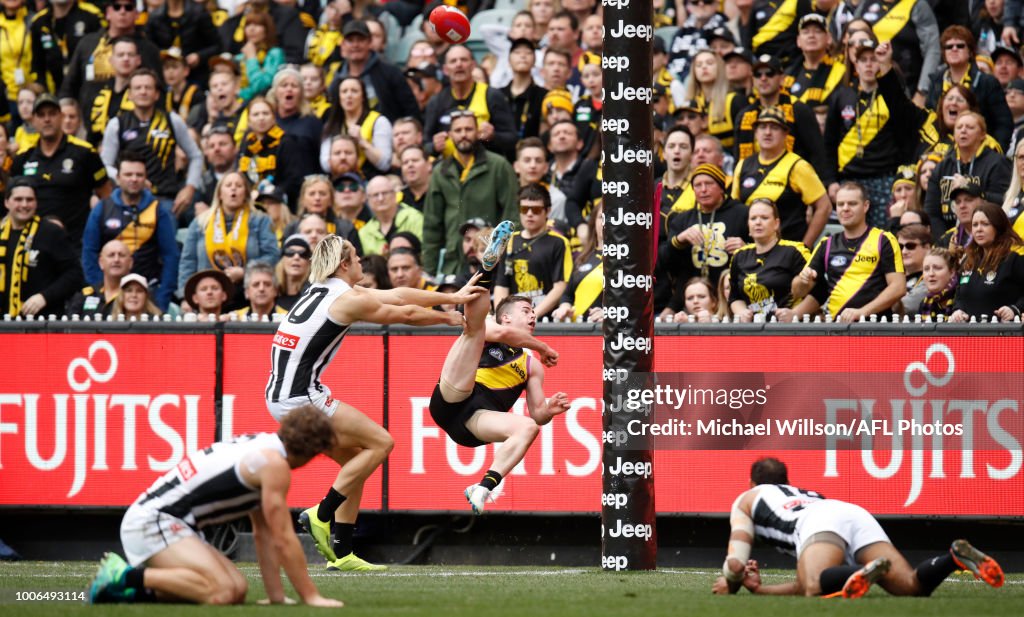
x=450, y=24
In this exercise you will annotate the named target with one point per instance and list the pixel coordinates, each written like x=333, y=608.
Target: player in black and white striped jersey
x=841, y=549
x=161, y=532
x=306, y=342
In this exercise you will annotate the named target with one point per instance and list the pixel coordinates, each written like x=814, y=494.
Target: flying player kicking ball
x=486, y=371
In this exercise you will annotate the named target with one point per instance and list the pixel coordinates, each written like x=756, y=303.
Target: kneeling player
x=841, y=549
x=484, y=374
x=161, y=535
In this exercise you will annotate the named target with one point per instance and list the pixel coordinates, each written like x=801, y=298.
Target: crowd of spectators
x=843, y=157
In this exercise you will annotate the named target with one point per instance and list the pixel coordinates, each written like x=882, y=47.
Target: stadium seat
x=399, y=53
x=514, y=5
x=414, y=25
x=666, y=33
x=394, y=30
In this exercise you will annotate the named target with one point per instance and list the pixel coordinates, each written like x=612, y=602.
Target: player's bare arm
x=404, y=296
x=358, y=305
x=542, y=409
x=275, y=477
x=517, y=337
x=741, y=538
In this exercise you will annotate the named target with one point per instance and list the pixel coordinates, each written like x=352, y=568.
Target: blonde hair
x=329, y=254
x=1015, y=181
x=311, y=180
x=714, y=96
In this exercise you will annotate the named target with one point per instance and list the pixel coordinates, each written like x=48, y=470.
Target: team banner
x=94, y=419
x=355, y=377
x=628, y=535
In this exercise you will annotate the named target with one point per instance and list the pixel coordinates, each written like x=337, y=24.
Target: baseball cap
x=813, y=19
x=1016, y=84
x=357, y=27
x=739, y=52
x=134, y=278
x=864, y=45
x=172, y=53
x=769, y=61
x=44, y=99
x=773, y=115
x=475, y=223
x=271, y=193
x=1003, y=50
x=298, y=241
x=973, y=190
x=347, y=178
x=721, y=32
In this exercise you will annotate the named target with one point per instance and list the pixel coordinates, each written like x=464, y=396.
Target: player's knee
x=387, y=443
x=528, y=429
x=241, y=589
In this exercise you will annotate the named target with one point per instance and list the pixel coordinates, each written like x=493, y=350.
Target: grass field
x=536, y=592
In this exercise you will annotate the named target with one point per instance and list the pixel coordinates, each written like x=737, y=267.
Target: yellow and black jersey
x=721, y=124
x=851, y=271
x=933, y=141
x=106, y=105
x=865, y=132
x=804, y=136
x=814, y=86
x=586, y=286
x=673, y=199
x=154, y=139
x=789, y=181
x=182, y=105
x=500, y=377
x=248, y=313
x=534, y=265
x=762, y=280
x=54, y=40
x=323, y=48
x=891, y=21
x=1016, y=214
x=773, y=27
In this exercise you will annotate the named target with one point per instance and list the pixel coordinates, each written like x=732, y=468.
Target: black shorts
x=452, y=417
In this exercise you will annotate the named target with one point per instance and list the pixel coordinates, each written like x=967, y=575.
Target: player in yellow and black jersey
x=855, y=272
x=484, y=374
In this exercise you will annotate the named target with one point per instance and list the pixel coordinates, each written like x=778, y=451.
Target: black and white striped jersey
x=776, y=511
x=305, y=343
x=206, y=487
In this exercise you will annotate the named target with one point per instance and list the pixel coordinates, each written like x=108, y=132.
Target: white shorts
x=320, y=400
x=145, y=532
x=852, y=523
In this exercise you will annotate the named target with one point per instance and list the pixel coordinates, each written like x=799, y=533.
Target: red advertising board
x=356, y=376
x=94, y=419
x=561, y=471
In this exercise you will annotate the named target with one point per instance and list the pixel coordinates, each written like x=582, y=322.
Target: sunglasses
x=691, y=116
x=532, y=209
x=950, y=46
x=345, y=187
x=702, y=2
x=123, y=7
x=909, y=246
x=765, y=74
x=297, y=253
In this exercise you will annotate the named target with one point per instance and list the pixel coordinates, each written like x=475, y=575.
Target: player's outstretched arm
x=741, y=537
x=542, y=409
x=518, y=337
x=404, y=296
x=359, y=305
x=274, y=479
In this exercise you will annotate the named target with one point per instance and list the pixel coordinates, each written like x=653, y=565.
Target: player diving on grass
x=486, y=370
x=304, y=345
x=841, y=549
x=161, y=532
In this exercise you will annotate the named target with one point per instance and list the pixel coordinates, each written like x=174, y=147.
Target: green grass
x=529, y=591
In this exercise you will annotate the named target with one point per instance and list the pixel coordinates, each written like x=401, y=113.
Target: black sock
x=930, y=573
x=491, y=480
x=832, y=579
x=343, y=538
x=133, y=580
x=331, y=502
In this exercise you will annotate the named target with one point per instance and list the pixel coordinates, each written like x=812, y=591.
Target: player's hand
x=268, y=601
x=322, y=602
x=558, y=403
x=752, y=576
x=720, y=587
x=454, y=318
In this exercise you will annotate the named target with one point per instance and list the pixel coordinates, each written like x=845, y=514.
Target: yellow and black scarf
x=19, y=261
x=223, y=248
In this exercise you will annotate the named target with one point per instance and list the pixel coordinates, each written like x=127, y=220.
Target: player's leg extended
x=459, y=371
x=514, y=432
x=815, y=559
x=191, y=570
x=901, y=579
x=354, y=432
